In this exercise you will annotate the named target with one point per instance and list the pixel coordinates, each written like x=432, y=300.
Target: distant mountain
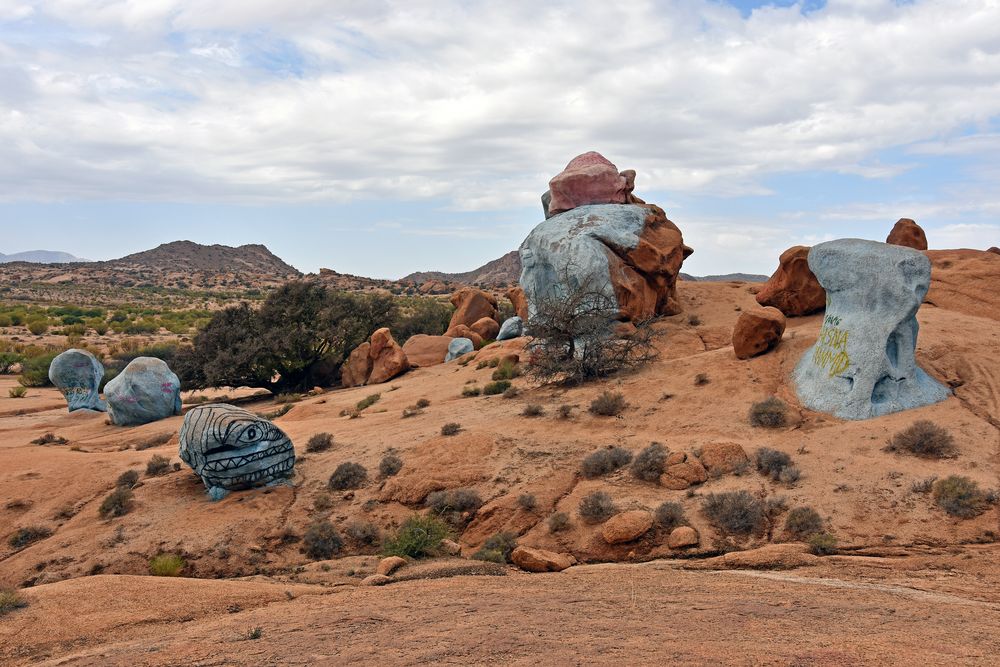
x=252, y=259
x=503, y=271
x=41, y=257
x=728, y=277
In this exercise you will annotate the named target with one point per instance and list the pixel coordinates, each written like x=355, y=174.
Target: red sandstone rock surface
x=471, y=305
x=757, y=331
x=793, y=289
x=374, y=362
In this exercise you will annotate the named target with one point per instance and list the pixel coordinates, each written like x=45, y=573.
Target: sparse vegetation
x=451, y=428
x=734, y=512
x=497, y=548
x=923, y=485
x=597, y=507
x=455, y=506
x=769, y=413
x=321, y=541
x=558, y=522
x=363, y=533
x=368, y=401
x=803, y=522
x=924, y=438
x=604, y=461
x=117, y=503
x=157, y=465
x=319, y=442
x=22, y=537
x=418, y=537
x=154, y=441
x=10, y=600
x=959, y=496
x=50, y=439
x=771, y=462
x=650, y=463
x=513, y=392
x=127, y=479
x=470, y=391
x=423, y=403
x=527, y=502
x=670, y=515
x=17, y=392
x=564, y=411
x=822, y=544
x=166, y=565
x=507, y=370
x=494, y=388
x=701, y=379
x=348, y=476
x=608, y=404
x=390, y=465
x=532, y=410
x=253, y=634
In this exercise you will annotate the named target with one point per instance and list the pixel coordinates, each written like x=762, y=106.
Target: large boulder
x=631, y=254
x=793, y=289
x=145, y=391
x=519, y=301
x=683, y=537
x=540, y=560
x=233, y=449
x=472, y=305
x=373, y=362
x=463, y=331
x=627, y=526
x=424, y=350
x=512, y=327
x=723, y=457
x=457, y=347
x=77, y=374
x=864, y=363
x=487, y=328
x=909, y=234
x=588, y=179
x=757, y=331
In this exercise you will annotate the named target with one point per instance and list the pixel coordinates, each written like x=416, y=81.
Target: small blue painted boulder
x=512, y=327
x=145, y=391
x=458, y=347
x=232, y=449
x=77, y=374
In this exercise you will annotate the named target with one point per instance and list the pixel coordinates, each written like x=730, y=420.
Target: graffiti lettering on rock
x=830, y=352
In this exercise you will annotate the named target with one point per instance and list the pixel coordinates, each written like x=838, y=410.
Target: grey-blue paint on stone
x=864, y=363
x=232, y=449
x=145, y=391
x=512, y=327
x=458, y=347
x=77, y=374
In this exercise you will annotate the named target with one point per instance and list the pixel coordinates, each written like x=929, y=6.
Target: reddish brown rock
x=627, y=526
x=793, y=289
x=966, y=281
x=463, y=331
x=357, y=368
x=683, y=537
x=679, y=475
x=589, y=179
x=472, y=305
x=388, y=565
x=540, y=560
x=757, y=331
x=995, y=250
x=723, y=456
x=519, y=301
x=487, y=328
x=907, y=233
x=376, y=580
x=423, y=350
x=374, y=362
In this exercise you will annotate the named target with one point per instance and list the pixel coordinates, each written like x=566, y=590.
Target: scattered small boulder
x=907, y=233
x=793, y=289
x=376, y=361
x=422, y=350
x=451, y=548
x=757, y=331
x=457, y=347
x=540, y=560
x=683, y=537
x=627, y=526
x=512, y=327
x=724, y=457
x=390, y=564
x=376, y=580
x=486, y=327
x=472, y=305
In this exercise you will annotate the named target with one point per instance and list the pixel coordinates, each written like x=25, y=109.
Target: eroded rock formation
x=145, y=391
x=77, y=374
x=907, y=233
x=376, y=361
x=589, y=179
x=793, y=289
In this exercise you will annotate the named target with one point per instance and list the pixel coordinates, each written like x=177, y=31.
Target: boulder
x=757, y=331
x=423, y=350
x=512, y=327
x=459, y=346
x=472, y=305
x=145, y=391
x=724, y=457
x=376, y=580
x=683, y=537
x=519, y=301
x=907, y=233
x=630, y=254
x=793, y=289
x=588, y=179
x=680, y=474
x=539, y=560
x=864, y=363
x=77, y=374
x=451, y=548
x=462, y=331
x=627, y=526
x=376, y=361
x=487, y=328
x=232, y=449
x=388, y=565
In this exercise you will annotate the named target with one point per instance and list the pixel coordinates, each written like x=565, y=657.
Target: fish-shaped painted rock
x=232, y=449
x=145, y=391
x=77, y=374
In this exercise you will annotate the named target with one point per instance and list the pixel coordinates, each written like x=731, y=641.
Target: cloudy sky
x=382, y=137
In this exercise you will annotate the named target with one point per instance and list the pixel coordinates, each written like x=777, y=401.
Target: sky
x=388, y=136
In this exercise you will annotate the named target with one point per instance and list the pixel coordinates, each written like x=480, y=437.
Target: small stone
x=376, y=580
x=388, y=565
x=627, y=526
x=683, y=537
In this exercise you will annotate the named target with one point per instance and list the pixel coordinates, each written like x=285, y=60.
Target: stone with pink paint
x=589, y=179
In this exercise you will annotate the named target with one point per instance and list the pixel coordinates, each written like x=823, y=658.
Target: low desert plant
x=390, y=465
x=608, y=404
x=454, y=504
x=650, y=463
x=532, y=410
x=771, y=462
x=10, y=600
x=166, y=565
x=154, y=441
x=597, y=507
x=497, y=548
x=604, y=461
x=923, y=438
x=157, y=465
x=117, y=503
x=320, y=442
x=558, y=522
x=701, y=379
x=17, y=392
x=368, y=401
x=321, y=541
x=513, y=392
x=734, y=512
x=50, y=439
x=959, y=496
x=789, y=475
x=253, y=634
x=470, y=391
x=803, y=522
x=527, y=501
x=287, y=397
x=348, y=476
x=128, y=479
x=507, y=370
x=418, y=537
x=22, y=537
x=670, y=515
x=411, y=411
x=564, y=411
x=451, y=428
x=494, y=388
x=822, y=544
x=923, y=485
x=769, y=413
x=423, y=403
x=363, y=533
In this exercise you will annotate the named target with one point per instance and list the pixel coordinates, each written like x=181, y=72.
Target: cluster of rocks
x=377, y=360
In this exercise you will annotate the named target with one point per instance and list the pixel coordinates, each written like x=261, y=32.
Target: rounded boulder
x=757, y=331
x=627, y=526
x=145, y=391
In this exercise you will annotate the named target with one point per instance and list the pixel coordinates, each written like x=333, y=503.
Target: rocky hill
x=41, y=257
x=498, y=273
x=250, y=259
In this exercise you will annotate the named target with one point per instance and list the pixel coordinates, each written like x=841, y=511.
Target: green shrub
x=158, y=465
x=608, y=404
x=924, y=438
x=7, y=360
x=22, y=537
x=822, y=544
x=497, y=548
x=38, y=327
x=604, y=461
x=507, y=370
x=17, y=392
x=348, y=476
x=319, y=442
x=959, y=496
x=321, y=541
x=418, y=537
x=803, y=522
x=368, y=401
x=390, y=465
x=35, y=370
x=10, y=600
x=469, y=391
x=769, y=413
x=558, y=522
x=494, y=388
x=670, y=515
x=117, y=503
x=166, y=565
x=597, y=507
x=451, y=428
x=734, y=512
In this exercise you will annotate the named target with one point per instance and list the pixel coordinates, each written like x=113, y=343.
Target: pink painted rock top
x=589, y=179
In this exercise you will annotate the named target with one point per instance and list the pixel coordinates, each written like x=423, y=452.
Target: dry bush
x=321, y=541
x=367, y=402
x=10, y=600
x=17, y=392
x=423, y=403
x=532, y=410
x=50, y=439
x=597, y=507
x=320, y=442
x=734, y=512
x=604, y=461
x=117, y=503
x=157, y=465
x=802, y=522
x=670, y=515
x=497, y=548
x=924, y=438
x=960, y=497
x=507, y=370
x=455, y=501
x=363, y=533
x=771, y=462
x=22, y=537
x=769, y=413
x=128, y=479
x=822, y=544
x=513, y=392
x=558, y=522
x=608, y=404
x=348, y=476
x=564, y=411
x=650, y=463
x=154, y=441
x=451, y=428
x=470, y=391
x=701, y=379
x=494, y=388
x=390, y=465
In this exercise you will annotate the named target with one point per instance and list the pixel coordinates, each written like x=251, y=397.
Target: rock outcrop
x=517, y=299
x=683, y=470
x=723, y=457
x=472, y=305
x=793, y=289
x=627, y=526
x=233, y=449
x=909, y=234
x=463, y=331
x=423, y=350
x=588, y=179
x=376, y=361
x=683, y=537
x=145, y=391
x=864, y=363
x=77, y=374
x=993, y=249
x=757, y=331
x=966, y=281
x=540, y=560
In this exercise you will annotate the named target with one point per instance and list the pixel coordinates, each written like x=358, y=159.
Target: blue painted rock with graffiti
x=145, y=391
x=78, y=374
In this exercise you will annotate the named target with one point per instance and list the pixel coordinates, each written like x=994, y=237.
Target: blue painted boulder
x=145, y=391
x=77, y=374
x=459, y=346
x=512, y=327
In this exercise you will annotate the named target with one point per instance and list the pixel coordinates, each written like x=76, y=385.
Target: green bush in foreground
x=418, y=537
x=166, y=565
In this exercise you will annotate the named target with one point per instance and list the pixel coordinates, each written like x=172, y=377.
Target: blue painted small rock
x=864, y=363
x=77, y=374
x=232, y=449
x=145, y=391
x=512, y=327
x=458, y=347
